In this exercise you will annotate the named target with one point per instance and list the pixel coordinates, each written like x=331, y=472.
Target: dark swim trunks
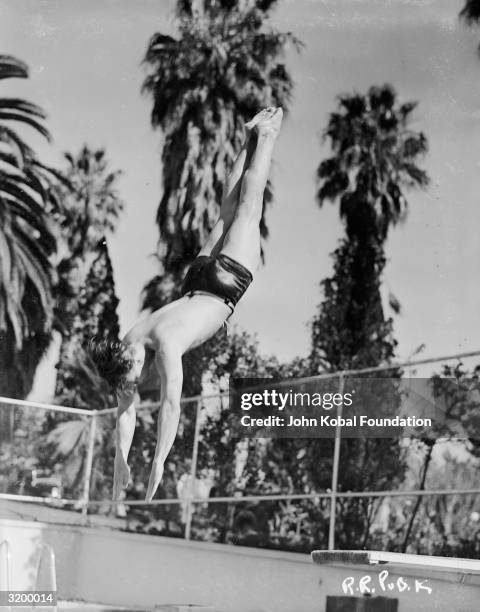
x=220, y=276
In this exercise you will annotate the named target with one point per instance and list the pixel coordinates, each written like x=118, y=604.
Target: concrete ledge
x=151, y=540
x=141, y=572
x=138, y=571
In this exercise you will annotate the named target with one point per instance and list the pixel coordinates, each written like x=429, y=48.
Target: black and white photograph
x=240, y=305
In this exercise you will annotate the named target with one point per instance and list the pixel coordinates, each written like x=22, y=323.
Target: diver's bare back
x=180, y=325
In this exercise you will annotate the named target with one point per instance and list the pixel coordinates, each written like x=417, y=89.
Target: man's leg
x=231, y=191
x=242, y=241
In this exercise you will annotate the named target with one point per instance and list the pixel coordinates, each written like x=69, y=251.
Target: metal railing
x=333, y=494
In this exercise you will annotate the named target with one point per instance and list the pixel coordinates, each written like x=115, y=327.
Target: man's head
x=115, y=361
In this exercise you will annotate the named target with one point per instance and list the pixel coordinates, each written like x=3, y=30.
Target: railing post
x=336, y=461
x=87, y=477
x=193, y=473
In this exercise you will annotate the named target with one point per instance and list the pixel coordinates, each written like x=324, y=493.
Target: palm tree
x=225, y=63
x=375, y=156
x=374, y=162
x=27, y=242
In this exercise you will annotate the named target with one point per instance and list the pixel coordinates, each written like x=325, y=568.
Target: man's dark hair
x=112, y=360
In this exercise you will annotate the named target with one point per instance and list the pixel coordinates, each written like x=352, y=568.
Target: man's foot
x=269, y=123
x=233, y=181
x=266, y=112
x=121, y=476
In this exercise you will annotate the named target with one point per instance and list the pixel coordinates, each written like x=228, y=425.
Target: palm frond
x=11, y=138
x=9, y=158
x=471, y=12
x=11, y=67
x=19, y=105
x=26, y=235
x=5, y=261
x=23, y=118
x=39, y=279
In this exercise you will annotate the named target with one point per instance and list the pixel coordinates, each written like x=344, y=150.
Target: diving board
x=376, y=557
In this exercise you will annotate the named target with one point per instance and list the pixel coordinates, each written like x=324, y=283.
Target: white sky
x=85, y=59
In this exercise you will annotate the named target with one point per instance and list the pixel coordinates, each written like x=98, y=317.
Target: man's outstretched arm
x=171, y=374
x=126, y=417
